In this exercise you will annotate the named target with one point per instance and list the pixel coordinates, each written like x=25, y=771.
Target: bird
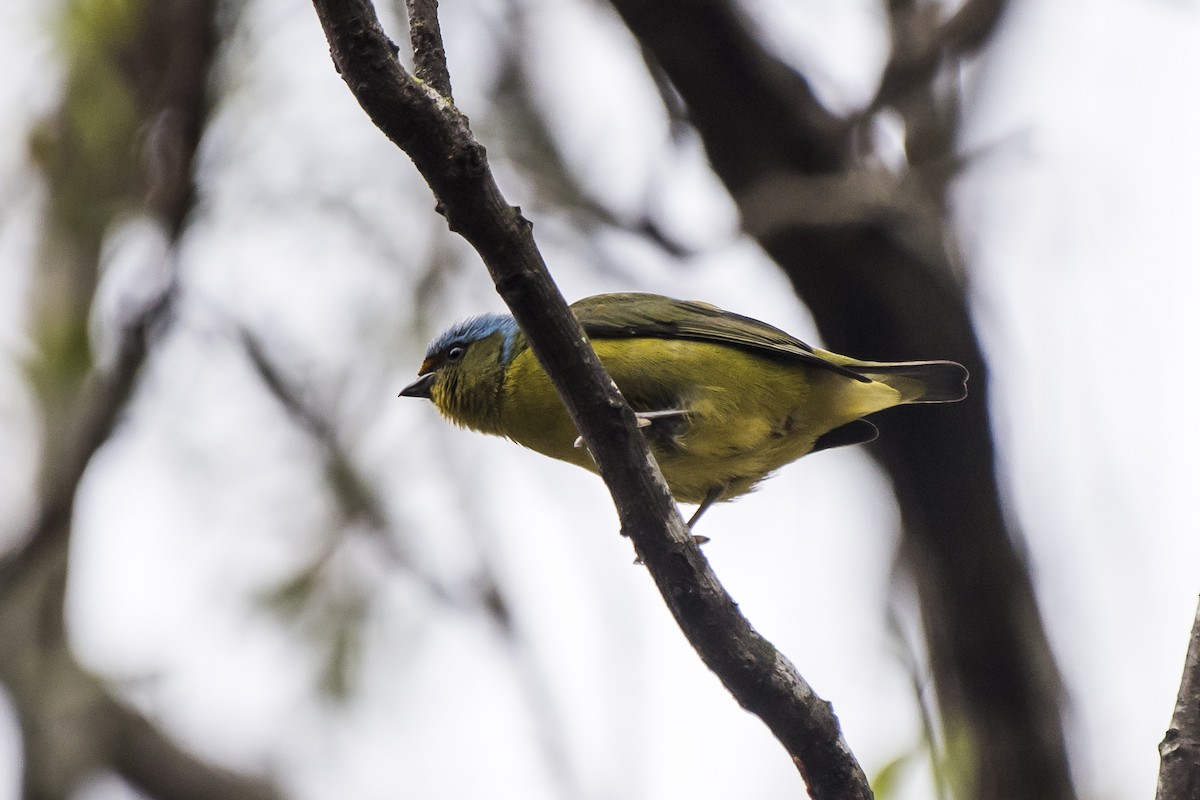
x=724, y=400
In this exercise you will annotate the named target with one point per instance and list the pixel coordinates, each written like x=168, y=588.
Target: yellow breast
x=746, y=415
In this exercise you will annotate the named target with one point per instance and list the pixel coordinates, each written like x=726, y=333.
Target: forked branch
x=418, y=117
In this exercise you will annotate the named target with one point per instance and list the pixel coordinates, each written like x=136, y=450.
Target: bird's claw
x=644, y=419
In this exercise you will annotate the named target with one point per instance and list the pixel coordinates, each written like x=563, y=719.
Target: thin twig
x=429, y=53
x=436, y=136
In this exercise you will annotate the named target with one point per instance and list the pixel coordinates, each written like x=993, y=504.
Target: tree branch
x=437, y=138
x=1179, y=776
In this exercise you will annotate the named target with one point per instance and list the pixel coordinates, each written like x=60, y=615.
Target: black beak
x=420, y=387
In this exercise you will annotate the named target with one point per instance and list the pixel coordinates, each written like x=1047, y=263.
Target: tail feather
x=919, y=381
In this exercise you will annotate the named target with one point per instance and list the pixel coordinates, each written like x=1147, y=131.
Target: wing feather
x=639, y=314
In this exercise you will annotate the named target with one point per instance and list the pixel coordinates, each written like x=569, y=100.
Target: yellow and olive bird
x=724, y=400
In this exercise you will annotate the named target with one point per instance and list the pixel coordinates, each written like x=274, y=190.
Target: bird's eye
x=455, y=353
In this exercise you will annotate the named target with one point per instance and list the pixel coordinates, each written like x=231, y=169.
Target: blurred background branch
x=876, y=264
x=120, y=145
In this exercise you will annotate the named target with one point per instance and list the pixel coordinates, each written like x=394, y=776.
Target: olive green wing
x=637, y=314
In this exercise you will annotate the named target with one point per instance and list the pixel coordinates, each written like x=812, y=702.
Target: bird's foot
x=644, y=420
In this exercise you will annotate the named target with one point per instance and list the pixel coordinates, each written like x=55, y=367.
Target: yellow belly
x=747, y=415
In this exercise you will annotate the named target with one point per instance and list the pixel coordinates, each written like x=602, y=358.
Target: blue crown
x=474, y=329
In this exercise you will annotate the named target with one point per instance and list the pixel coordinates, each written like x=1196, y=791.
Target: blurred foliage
x=330, y=611
x=87, y=150
x=887, y=782
x=87, y=155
